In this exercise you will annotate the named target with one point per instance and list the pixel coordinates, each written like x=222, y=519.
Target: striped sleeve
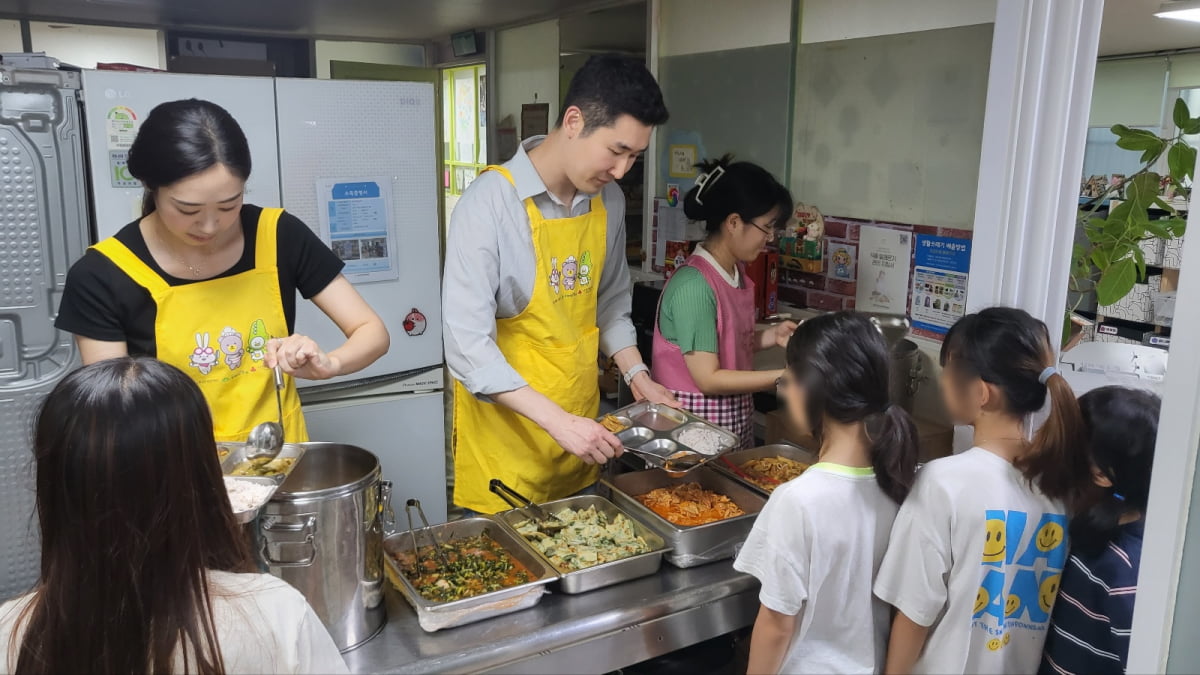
x=1089, y=632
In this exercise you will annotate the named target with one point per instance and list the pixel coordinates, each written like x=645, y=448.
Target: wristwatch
x=633, y=372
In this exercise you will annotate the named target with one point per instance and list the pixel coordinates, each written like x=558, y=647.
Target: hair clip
x=1118, y=497
x=705, y=181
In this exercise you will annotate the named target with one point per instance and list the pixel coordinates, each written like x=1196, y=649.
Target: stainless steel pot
x=322, y=532
x=905, y=377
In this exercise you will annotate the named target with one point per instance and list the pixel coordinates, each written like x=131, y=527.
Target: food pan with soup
x=707, y=515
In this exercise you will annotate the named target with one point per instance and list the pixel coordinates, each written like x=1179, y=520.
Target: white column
x=1035, y=126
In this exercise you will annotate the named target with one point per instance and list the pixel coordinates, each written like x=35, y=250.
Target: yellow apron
x=217, y=331
x=553, y=344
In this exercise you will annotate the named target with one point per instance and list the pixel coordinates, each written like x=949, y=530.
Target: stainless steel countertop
x=590, y=633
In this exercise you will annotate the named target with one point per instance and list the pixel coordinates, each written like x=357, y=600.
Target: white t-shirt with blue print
x=976, y=554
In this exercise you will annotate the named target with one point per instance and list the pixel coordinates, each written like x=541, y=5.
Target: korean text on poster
x=939, y=294
x=356, y=222
x=884, y=260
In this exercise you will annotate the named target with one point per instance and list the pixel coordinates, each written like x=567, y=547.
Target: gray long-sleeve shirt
x=490, y=269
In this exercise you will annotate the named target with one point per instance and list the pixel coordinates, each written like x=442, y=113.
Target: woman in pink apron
x=704, y=334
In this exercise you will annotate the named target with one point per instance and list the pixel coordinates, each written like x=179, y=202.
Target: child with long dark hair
x=1089, y=631
x=142, y=562
x=977, y=551
x=818, y=543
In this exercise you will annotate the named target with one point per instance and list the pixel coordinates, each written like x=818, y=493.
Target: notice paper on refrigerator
x=940, y=282
x=671, y=225
x=884, y=257
x=356, y=222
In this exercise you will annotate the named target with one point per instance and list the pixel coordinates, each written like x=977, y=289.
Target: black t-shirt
x=101, y=302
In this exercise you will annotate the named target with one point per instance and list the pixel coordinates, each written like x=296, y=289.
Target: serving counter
x=593, y=632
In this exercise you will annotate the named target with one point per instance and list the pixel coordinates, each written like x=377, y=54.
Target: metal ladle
x=266, y=439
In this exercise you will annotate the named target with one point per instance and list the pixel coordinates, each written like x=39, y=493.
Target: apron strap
x=132, y=265
x=266, y=248
x=531, y=209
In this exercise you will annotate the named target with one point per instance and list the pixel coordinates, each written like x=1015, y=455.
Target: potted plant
x=1111, y=261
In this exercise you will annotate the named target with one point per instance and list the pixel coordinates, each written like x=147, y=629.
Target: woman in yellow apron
x=208, y=283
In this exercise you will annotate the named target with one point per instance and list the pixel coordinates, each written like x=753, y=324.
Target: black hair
x=734, y=187
x=1121, y=430
x=610, y=85
x=133, y=517
x=841, y=362
x=1009, y=349
x=183, y=138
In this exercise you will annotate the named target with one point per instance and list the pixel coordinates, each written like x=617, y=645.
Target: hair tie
x=705, y=181
x=1048, y=373
x=1118, y=497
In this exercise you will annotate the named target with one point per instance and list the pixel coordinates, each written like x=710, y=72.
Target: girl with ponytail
x=977, y=551
x=818, y=543
x=1090, y=628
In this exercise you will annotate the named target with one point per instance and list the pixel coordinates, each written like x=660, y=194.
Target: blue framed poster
x=939, y=293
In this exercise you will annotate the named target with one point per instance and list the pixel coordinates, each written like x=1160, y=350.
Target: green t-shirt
x=687, y=316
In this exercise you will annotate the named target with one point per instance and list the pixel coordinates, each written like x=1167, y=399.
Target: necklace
x=195, y=270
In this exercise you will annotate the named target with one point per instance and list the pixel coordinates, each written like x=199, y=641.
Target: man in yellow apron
x=535, y=287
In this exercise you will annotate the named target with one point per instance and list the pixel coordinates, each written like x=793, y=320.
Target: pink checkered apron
x=735, y=351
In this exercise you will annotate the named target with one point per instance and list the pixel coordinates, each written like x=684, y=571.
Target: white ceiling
x=1130, y=27
x=393, y=20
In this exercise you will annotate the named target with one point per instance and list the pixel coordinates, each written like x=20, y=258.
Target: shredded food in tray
x=588, y=539
x=613, y=424
x=689, y=504
x=781, y=469
x=263, y=466
x=475, y=565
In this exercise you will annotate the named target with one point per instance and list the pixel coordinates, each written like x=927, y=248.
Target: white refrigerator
x=356, y=161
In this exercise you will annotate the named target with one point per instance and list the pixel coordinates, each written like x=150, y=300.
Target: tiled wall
x=822, y=291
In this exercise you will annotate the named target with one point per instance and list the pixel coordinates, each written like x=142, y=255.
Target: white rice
x=245, y=495
x=701, y=439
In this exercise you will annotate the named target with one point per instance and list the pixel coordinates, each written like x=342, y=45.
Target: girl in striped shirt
x=1090, y=626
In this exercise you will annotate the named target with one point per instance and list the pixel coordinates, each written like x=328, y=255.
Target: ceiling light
x=1182, y=11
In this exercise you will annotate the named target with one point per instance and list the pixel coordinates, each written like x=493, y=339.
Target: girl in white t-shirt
x=818, y=542
x=977, y=550
x=142, y=562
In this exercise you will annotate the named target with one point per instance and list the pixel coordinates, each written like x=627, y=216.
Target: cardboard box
x=936, y=440
x=1173, y=253
x=1137, y=306
x=1153, y=249
x=770, y=285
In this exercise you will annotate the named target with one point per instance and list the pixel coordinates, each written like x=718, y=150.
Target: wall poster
x=940, y=282
x=884, y=260
x=357, y=223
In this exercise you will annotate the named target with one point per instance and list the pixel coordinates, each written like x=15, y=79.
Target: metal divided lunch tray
x=433, y=615
x=691, y=545
x=604, y=574
x=739, y=457
x=654, y=429
x=233, y=454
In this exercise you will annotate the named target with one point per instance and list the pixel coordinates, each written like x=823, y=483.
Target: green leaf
x=1119, y=214
x=1177, y=226
x=1066, y=334
x=1142, y=191
x=1102, y=257
x=1181, y=115
x=1116, y=281
x=1139, y=256
x=1158, y=228
x=1192, y=127
x=1094, y=226
x=1138, y=140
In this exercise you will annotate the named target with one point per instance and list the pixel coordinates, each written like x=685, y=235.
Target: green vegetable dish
x=589, y=539
x=474, y=566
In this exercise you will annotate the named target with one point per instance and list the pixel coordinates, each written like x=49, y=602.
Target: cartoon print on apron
x=553, y=344
x=202, y=328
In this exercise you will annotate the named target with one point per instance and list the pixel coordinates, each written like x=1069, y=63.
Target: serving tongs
x=409, y=506
x=545, y=521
